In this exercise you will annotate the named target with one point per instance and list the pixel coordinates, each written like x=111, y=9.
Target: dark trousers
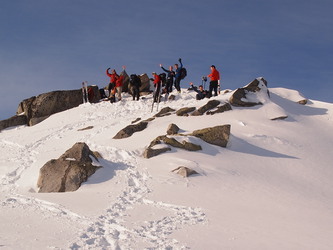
x=177, y=84
x=135, y=92
x=213, y=86
x=168, y=86
x=157, y=93
x=111, y=86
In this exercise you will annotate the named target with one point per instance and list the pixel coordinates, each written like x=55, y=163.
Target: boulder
x=208, y=106
x=151, y=152
x=255, y=93
x=174, y=143
x=164, y=112
x=126, y=81
x=184, y=111
x=220, y=109
x=145, y=83
x=130, y=130
x=38, y=108
x=15, y=120
x=172, y=97
x=172, y=129
x=218, y=135
x=184, y=171
x=69, y=171
x=303, y=102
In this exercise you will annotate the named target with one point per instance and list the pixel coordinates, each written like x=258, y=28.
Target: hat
x=213, y=66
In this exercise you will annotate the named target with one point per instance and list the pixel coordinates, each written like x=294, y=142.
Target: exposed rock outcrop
x=15, y=120
x=38, y=108
x=172, y=129
x=69, y=171
x=151, y=152
x=184, y=111
x=242, y=96
x=220, y=109
x=218, y=135
x=130, y=130
x=208, y=106
x=164, y=112
x=184, y=171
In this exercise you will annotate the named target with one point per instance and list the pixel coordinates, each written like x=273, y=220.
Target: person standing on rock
x=214, y=80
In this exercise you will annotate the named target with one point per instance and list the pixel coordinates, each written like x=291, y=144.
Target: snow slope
x=271, y=188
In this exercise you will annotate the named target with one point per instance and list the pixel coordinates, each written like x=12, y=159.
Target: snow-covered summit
x=270, y=188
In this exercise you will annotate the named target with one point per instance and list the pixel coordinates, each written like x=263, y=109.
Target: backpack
x=183, y=73
x=163, y=78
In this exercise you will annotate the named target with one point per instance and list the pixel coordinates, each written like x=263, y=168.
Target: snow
x=270, y=188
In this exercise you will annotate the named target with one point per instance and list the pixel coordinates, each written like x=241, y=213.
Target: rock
x=220, y=109
x=303, y=102
x=86, y=128
x=218, y=135
x=208, y=106
x=172, y=97
x=184, y=111
x=15, y=120
x=279, y=118
x=164, y=111
x=38, y=108
x=69, y=171
x=242, y=97
x=172, y=129
x=125, y=81
x=191, y=146
x=150, y=152
x=145, y=83
x=136, y=120
x=184, y=171
x=174, y=143
x=130, y=130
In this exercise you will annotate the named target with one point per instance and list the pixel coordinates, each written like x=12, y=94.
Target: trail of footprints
x=109, y=231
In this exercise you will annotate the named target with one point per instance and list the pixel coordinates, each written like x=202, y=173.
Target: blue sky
x=48, y=45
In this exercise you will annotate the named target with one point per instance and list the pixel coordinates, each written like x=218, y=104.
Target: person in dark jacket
x=170, y=76
x=178, y=75
x=201, y=93
x=135, y=84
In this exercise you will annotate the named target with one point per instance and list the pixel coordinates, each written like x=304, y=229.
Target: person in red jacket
x=119, y=86
x=113, y=78
x=157, y=84
x=214, y=80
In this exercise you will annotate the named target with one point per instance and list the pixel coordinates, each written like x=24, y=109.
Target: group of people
x=172, y=77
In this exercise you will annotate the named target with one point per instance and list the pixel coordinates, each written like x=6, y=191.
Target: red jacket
x=119, y=81
x=157, y=79
x=215, y=75
x=113, y=77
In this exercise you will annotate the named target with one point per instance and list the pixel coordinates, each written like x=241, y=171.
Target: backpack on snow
x=183, y=73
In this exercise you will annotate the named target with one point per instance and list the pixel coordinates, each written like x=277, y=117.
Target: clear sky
x=48, y=45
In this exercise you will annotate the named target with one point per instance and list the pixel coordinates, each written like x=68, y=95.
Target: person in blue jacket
x=178, y=74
